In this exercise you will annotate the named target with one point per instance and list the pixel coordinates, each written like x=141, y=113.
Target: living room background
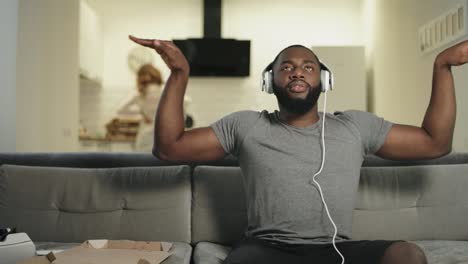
x=42, y=102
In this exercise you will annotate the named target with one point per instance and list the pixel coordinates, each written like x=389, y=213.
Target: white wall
x=8, y=31
x=47, y=75
x=348, y=67
x=401, y=76
x=90, y=43
x=270, y=27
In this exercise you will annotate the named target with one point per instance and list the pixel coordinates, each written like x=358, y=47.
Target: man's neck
x=309, y=118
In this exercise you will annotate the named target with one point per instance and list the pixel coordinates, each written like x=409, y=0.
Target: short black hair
x=270, y=66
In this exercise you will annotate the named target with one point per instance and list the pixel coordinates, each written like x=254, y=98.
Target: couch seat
x=445, y=251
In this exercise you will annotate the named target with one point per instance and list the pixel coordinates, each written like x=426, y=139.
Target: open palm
x=168, y=51
x=455, y=55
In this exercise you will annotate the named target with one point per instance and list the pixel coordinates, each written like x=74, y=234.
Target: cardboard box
x=108, y=251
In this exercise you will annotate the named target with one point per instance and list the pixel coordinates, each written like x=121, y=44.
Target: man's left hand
x=454, y=56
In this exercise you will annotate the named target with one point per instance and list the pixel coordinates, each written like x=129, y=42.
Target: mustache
x=294, y=82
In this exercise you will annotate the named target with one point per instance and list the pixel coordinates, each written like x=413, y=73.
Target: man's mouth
x=297, y=86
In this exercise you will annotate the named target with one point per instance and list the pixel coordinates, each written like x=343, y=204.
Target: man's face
x=296, y=81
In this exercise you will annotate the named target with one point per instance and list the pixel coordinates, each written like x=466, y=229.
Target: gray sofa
x=62, y=199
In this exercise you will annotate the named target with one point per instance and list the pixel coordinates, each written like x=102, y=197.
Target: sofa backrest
x=218, y=205
x=424, y=202
x=452, y=158
x=148, y=200
x=99, y=160
x=76, y=204
x=410, y=203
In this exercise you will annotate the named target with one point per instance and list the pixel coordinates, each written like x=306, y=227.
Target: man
x=280, y=152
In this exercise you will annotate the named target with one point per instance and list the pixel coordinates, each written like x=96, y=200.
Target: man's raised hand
x=454, y=56
x=168, y=51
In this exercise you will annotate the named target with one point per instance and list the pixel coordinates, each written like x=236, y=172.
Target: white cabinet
x=349, y=70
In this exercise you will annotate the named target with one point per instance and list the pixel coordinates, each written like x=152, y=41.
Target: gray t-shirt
x=279, y=160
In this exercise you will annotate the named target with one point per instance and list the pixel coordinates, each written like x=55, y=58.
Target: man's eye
x=286, y=68
x=309, y=68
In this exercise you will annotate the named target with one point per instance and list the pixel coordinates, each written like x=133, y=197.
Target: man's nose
x=297, y=73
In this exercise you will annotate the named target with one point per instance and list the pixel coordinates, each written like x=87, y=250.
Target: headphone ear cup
x=326, y=79
x=268, y=82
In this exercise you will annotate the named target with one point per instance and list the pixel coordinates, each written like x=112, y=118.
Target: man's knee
x=404, y=252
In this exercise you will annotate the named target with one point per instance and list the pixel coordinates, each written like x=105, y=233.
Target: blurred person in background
x=145, y=103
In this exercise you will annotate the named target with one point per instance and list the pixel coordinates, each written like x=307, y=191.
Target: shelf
x=107, y=139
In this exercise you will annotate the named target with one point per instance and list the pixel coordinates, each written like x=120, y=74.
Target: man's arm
x=171, y=141
x=434, y=138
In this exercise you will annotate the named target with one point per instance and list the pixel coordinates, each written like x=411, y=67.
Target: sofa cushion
x=427, y=202
x=437, y=252
x=181, y=252
x=444, y=251
x=218, y=206
x=210, y=253
x=76, y=204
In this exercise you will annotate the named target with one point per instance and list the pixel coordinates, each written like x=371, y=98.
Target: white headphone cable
x=318, y=185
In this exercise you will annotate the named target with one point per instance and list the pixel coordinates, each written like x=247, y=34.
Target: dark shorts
x=255, y=251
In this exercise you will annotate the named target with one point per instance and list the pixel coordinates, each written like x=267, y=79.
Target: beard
x=298, y=106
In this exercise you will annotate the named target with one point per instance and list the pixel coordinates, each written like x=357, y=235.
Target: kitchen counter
x=106, y=144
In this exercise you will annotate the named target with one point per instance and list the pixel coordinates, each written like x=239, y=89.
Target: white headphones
x=326, y=78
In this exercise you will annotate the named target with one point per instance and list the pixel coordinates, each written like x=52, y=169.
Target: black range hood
x=213, y=55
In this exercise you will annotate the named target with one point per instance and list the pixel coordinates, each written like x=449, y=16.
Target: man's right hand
x=169, y=52
x=171, y=141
